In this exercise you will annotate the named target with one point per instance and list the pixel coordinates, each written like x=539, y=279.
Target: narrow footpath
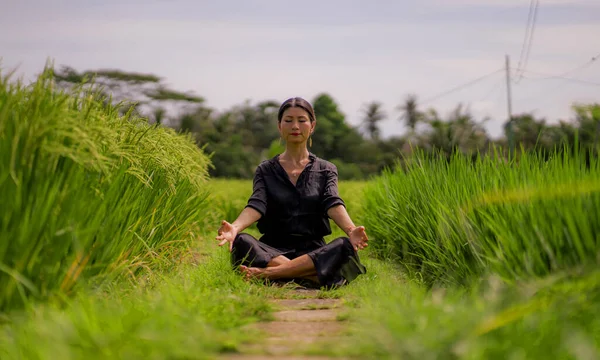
x=301, y=326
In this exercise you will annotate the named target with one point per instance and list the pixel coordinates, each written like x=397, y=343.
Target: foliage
x=449, y=220
x=411, y=115
x=91, y=192
x=395, y=318
x=138, y=92
x=373, y=114
x=193, y=312
x=205, y=306
x=86, y=191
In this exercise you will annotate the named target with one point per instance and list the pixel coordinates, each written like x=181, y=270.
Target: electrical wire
x=578, y=68
x=550, y=77
x=460, y=87
x=527, y=29
x=493, y=89
x=528, y=40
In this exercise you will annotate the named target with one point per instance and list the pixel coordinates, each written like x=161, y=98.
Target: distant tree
x=257, y=124
x=587, y=118
x=391, y=151
x=410, y=112
x=467, y=133
x=232, y=159
x=527, y=130
x=459, y=132
x=199, y=121
x=373, y=114
x=143, y=93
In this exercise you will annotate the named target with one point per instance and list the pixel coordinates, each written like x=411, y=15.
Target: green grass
x=450, y=221
x=87, y=192
x=193, y=312
x=199, y=311
x=390, y=316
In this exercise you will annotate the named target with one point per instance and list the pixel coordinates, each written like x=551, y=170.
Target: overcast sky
x=357, y=51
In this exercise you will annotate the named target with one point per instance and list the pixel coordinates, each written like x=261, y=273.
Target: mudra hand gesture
x=358, y=238
x=226, y=233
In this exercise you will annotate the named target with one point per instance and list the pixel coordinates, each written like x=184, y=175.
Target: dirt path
x=300, y=327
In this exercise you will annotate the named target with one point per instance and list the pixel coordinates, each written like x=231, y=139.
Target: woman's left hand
x=358, y=238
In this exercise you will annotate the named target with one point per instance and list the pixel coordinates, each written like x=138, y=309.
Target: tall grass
x=450, y=220
x=553, y=318
x=191, y=312
x=86, y=191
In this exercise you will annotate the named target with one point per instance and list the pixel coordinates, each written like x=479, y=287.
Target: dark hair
x=296, y=102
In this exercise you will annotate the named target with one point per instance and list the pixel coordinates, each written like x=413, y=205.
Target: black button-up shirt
x=295, y=210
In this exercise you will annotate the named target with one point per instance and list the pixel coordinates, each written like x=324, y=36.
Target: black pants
x=336, y=263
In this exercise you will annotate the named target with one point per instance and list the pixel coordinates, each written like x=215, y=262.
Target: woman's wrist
x=349, y=229
x=236, y=227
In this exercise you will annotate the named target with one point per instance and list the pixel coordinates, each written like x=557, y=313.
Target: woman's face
x=295, y=125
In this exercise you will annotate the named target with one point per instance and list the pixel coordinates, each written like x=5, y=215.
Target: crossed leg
x=281, y=267
x=278, y=260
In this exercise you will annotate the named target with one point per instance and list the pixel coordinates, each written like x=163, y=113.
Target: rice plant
x=86, y=191
x=451, y=220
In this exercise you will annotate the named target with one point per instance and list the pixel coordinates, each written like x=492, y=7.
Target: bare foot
x=358, y=238
x=252, y=272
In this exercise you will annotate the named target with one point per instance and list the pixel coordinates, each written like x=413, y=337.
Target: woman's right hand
x=227, y=233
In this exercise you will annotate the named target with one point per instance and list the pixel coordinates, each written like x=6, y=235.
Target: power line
x=460, y=87
x=493, y=89
x=527, y=29
x=580, y=67
x=562, y=78
x=528, y=40
x=535, y=12
x=549, y=77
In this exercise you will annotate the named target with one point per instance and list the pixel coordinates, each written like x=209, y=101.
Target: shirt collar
x=311, y=157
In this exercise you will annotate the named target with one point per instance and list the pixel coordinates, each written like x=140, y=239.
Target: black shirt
x=299, y=210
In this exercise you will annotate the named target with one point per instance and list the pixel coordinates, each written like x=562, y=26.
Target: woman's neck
x=295, y=154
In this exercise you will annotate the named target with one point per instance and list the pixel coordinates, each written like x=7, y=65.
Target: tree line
x=238, y=138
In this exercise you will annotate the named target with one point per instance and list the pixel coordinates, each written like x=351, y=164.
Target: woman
x=294, y=196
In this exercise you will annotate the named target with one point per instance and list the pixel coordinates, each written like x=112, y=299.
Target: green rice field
x=107, y=248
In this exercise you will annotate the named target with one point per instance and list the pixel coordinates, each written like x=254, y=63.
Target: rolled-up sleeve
x=331, y=196
x=258, y=199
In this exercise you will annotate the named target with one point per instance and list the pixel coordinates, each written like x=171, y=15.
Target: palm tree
x=410, y=113
x=373, y=114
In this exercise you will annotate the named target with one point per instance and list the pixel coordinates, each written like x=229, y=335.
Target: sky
x=356, y=51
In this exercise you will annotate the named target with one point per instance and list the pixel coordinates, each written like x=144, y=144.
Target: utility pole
x=511, y=136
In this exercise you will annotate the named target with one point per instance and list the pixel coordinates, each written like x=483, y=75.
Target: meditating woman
x=294, y=196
